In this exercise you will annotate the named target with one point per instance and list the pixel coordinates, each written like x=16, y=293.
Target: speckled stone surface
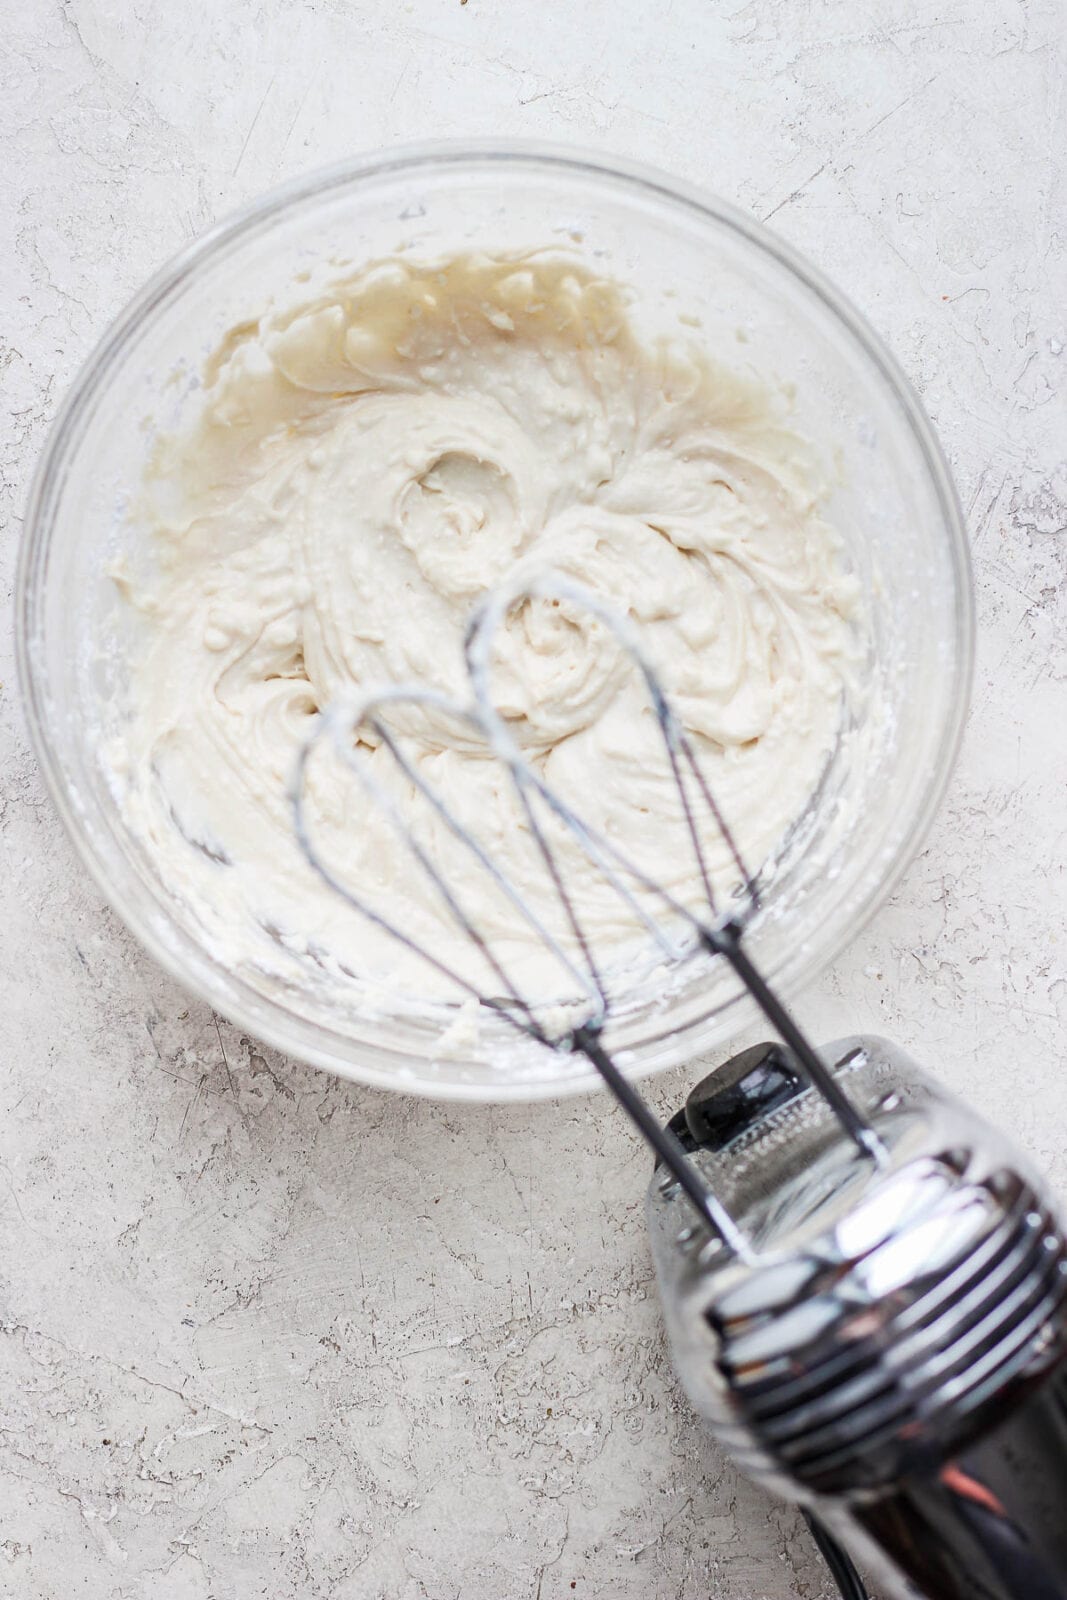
x=263, y=1334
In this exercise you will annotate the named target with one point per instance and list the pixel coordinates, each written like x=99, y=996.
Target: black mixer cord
x=842, y=1571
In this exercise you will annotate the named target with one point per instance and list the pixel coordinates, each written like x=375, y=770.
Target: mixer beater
x=865, y=1288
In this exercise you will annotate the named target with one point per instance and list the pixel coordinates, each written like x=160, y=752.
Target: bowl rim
x=207, y=980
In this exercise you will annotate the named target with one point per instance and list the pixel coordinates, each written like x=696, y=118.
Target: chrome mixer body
x=891, y=1351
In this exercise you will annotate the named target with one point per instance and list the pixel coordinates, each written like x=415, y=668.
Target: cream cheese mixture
x=363, y=468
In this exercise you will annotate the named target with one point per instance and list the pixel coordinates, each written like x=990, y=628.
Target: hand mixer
x=864, y=1286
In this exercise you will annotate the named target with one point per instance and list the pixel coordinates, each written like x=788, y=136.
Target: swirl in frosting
x=362, y=468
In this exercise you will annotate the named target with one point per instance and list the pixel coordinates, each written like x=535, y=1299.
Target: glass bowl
x=687, y=257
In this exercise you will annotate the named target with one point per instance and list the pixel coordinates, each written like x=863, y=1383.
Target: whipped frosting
x=361, y=469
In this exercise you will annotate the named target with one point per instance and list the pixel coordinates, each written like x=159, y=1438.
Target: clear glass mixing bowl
x=685, y=254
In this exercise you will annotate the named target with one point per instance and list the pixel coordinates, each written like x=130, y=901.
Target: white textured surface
x=264, y=1334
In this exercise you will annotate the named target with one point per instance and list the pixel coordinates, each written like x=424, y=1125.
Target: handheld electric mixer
x=864, y=1286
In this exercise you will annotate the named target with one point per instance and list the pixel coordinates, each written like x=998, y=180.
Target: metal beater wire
x=719, y=936
x=341, y=726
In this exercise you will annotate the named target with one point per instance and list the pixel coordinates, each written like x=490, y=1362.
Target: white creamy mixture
x=363, y=468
